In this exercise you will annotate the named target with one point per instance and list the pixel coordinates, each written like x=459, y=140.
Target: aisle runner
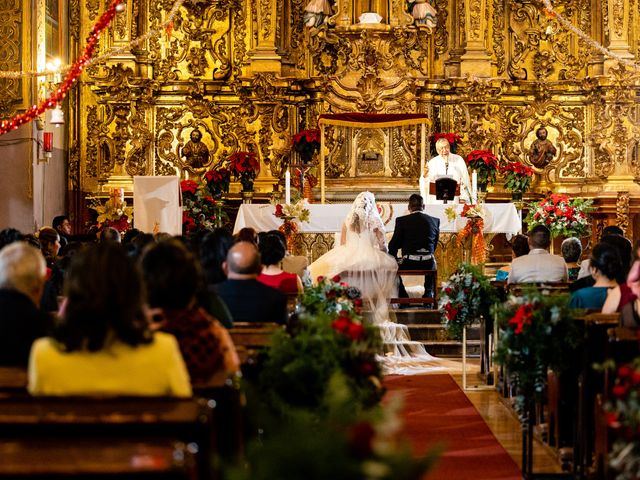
x=437, y=411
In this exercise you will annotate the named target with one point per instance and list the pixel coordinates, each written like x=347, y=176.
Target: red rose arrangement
x=517, y=177
x=485, y=163
x=306, y=143
x=244, y=166
x=561, y=215
x=200, y=211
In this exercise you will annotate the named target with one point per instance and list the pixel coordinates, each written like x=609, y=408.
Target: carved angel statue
x=316, y=13
x=423, y=13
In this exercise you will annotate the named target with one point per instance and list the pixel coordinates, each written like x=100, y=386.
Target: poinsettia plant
x=563, y=216
x=200, y=211
x=218, y=181
x=465, y=297
x=244, y=166
x=452, y=138
x=485, y=163
x=537, y=333
x=517, y=177
x=306, y=143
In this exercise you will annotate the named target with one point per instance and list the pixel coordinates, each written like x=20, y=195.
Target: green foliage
x=465, y=297
x=537, y=333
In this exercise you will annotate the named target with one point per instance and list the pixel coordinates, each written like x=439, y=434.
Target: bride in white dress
x=361, y=260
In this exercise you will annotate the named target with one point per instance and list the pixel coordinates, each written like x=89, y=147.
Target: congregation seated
x=571, y=250
x=8, y=236
x=109, y=234
x=519, y=247
x=604, y=265
x=102, y=344
x=49, y=244
x=272, y=251
x=172, y=277
x=248, y=299
x=538, y=265
x=22, y=277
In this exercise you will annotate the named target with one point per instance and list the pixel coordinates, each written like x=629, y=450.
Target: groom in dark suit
x=416, y=235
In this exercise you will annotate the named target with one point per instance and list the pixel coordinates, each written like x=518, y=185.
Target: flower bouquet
x=244, y=166
x=485, y=163
x=452, y=138
x=465, y=297
x=289, y=213
x=218, y=181
x=538, y=333
x=623, y=418
x=306, y=143
x=474, y=228
x=199, y=209
x=561, y=215
x=517, y=177
x=114, y=212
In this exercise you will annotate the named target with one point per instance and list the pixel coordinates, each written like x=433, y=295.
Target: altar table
x=328, y=218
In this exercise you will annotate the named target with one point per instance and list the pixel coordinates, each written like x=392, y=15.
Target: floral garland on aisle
x=465, y=297
x=623, y=418
x=561, y=215
x=537, y=333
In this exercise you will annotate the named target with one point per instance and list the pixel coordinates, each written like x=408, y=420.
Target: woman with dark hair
x=173, y=277
x=272, y=251
x=103, y=344
x=519, y=247
x=213, y=253
x=247, y=234
x=604, y=265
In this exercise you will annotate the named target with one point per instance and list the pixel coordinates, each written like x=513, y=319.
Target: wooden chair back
x=547, y=288
x=433, y=301
x=252, y=337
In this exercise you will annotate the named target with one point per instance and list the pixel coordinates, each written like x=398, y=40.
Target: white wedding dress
x=361, y=261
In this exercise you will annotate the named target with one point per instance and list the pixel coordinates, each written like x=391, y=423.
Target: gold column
x=476, y=61
x=619, y=14
x=263, y=55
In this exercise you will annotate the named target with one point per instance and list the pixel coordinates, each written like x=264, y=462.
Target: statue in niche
x=542, y=150
x=372, y=11
x=316, y=13
x=423, y=13
x=196, y=152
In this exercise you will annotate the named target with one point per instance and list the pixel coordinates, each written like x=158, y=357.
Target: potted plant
x=200, y=211
x=517, y=178
x=306, y=143
x=244, y=166
x=485, y=163
x=218, y=181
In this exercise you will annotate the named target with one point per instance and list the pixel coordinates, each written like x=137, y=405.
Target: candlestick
x=287, y=187
x=474, y=187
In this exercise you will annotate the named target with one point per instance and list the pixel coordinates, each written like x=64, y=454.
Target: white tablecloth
x=499, y=217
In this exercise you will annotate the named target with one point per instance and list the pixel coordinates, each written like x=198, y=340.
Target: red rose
x=341, y=325
x=336, y=279
x=355, y=331
x=612, y=419
x=320, y=278
x=357, y=302
x=619, y=390
x=279, y=211
x=625, y=371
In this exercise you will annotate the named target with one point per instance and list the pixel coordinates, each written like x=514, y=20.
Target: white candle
x=287, y=187
x=474, y=187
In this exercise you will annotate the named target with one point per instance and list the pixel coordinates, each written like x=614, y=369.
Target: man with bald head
x=249, y=300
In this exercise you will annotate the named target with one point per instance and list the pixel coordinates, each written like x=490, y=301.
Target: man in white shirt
x=538, y=265
x=445, y=164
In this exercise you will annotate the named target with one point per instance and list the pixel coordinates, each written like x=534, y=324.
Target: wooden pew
x=433, y=301
x=157, y=424
x=13, y=381
x=252, y=337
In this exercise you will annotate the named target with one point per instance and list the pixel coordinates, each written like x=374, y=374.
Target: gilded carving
x=498, y=16
x=475, y=19
x=92, y=6
x=618, y=20
x=12, y=37
x=622, y=211
x=265, y=18
x=74, y=19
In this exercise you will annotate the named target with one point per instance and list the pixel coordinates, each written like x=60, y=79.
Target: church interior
x=97, y=95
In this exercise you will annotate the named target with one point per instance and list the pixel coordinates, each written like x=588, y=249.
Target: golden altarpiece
x=249, y=75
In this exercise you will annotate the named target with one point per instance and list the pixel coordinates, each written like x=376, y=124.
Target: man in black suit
x=22, y=275
x=416, y=235
x=248, y=299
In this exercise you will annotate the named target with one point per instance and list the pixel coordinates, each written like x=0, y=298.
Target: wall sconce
x=57, y=116
x=47, y=147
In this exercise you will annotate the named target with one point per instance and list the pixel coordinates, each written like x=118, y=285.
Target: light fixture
x=46, y=147
x=57, y=116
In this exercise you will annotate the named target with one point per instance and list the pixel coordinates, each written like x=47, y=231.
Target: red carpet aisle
x=437, y=411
